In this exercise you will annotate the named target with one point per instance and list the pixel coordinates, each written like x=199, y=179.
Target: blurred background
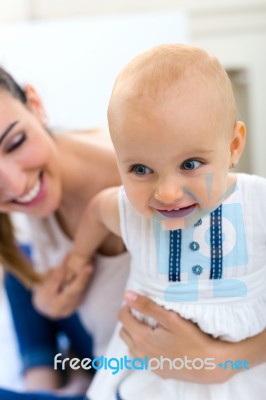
x=71, y=51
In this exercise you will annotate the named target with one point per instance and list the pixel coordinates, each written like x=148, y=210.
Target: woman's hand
x=176, y=337
x=57, y=298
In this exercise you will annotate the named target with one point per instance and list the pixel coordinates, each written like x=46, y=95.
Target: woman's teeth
x=31, y=195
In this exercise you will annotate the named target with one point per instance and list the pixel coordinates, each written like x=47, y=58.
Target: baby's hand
x=72, y=265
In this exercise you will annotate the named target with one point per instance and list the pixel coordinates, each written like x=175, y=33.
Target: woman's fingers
x=133, y=326
x=126, y=337
x=147, y=307
x=57, y=298
x=44, y=294
x=76, y=288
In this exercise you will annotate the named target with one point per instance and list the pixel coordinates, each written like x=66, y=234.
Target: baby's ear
x=238, y=142
x=35, y=104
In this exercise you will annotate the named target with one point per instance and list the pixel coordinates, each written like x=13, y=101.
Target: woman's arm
x=176, y=337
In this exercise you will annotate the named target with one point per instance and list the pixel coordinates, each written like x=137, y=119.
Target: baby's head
x=172, y=119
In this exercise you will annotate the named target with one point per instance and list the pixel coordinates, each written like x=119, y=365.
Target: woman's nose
x=169, y=191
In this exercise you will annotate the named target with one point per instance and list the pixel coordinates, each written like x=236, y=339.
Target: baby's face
x=174, y=155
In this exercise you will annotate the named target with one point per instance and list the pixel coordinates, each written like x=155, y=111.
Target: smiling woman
x=31, y=156
x=50, y=178
x=10, y=255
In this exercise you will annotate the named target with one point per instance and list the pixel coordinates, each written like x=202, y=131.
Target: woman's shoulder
x=88, y=162
x=90, y=146
x=93, y=136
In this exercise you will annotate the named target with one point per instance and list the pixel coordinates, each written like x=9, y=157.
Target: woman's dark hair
x=8, y=84
x=10, y=256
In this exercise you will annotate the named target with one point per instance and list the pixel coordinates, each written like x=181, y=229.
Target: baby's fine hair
x=174, y=64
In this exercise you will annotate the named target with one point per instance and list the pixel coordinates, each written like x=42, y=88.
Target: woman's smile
x=34, y=195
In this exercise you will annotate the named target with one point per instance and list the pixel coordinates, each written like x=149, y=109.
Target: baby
x=194, y=230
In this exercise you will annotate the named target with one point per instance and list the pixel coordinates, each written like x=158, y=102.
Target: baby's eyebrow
x=7, y=130
x=132, y=161
x=201, y=150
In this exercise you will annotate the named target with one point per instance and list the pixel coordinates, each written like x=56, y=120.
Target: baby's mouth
x=178, y=213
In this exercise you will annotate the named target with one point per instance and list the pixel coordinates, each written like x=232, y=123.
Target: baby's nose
x=169, y=192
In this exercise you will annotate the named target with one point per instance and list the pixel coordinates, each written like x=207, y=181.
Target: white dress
x=50, y=246
x=213, y=274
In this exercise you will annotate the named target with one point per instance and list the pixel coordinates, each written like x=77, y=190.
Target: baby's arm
x=99, y=219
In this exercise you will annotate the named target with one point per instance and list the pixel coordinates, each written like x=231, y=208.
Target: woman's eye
x=191, y=164
x=141, y=170
x=16, y=142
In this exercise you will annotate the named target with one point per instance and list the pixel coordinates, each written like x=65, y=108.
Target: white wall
x=247, y=52
x=73, y=63
x=13, y=9
x=233, y=29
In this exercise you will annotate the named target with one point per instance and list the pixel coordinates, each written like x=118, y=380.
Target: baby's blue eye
x=191, y=164
x=141, y=169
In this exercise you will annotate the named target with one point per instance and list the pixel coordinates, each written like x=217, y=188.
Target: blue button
x=197, y=269
x=194, y=246
x=198, y=223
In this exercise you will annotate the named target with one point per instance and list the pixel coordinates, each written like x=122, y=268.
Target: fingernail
x=130, y=297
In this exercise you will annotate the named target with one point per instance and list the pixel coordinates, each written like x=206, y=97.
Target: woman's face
x=29, y=171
